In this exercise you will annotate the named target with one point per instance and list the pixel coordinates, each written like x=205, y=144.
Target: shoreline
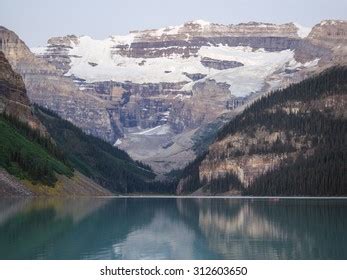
x=226, y=197
x=175, y=196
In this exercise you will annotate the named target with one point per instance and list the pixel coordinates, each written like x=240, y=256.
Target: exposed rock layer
x=300, y=122
x=47, y=87
x=13, y=98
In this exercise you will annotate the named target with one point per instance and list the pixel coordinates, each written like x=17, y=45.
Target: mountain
x=170, y=89
x=13, y=99
x=107, y=165
x=30, y=162
x=42, y=154
x=47, y=86
x=289, y=142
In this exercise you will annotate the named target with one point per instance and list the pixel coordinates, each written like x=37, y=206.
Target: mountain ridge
x=182, y=79
x=289, y=142
x=47, y=86
x=40, y=154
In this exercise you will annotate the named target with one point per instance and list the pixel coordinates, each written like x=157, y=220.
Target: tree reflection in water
x=172, y=228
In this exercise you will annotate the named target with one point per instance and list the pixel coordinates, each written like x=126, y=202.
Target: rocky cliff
x=47, y=86
x=331, y=34
x=291, y=137
x=26, y=149
x=14, y=101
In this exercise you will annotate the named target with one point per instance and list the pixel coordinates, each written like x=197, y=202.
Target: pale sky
x=35, y=21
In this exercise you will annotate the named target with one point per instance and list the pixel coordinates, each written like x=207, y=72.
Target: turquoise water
x=173, y=228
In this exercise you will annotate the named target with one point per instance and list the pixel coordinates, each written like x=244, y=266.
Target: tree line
x=323, y=173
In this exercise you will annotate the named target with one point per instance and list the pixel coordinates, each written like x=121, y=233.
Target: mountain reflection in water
x=172, y=228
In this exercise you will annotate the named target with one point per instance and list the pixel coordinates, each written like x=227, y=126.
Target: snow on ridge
x=123, y=39
x=302, y=30
x=258, y=65
x=173, y=30
x=110, y=66
x=251, y=77
x=331, y=21
x=200, y=22
x=170, y=30
x=90, y=50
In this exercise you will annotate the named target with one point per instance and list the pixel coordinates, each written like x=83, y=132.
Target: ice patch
x=180, y=96
x=123, y=40
x=173, y=30
x=258, y=65
x=158, y=130
x=170, y=30
x=112, y=66
x=201, y=22
x=302, y=30
x=118, y=142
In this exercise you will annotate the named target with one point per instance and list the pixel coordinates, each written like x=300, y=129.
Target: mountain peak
x=199, y=22
x=331, y=22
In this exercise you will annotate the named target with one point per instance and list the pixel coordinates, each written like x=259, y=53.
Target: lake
x=173, y=228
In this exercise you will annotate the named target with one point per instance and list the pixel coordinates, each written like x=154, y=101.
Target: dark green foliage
x=105, y=164
x=35, y=136
x=144, y=166
x=275, y=148
x=322, y=173
x=206, y=134
x=191, y=175
x=223, y=184
x=29, y=229
x=332, y=81
x=28, y=155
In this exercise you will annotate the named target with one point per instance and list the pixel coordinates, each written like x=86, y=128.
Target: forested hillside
x=28, y=155
x=26, y=151
x=109, y=166
x=291, y=142
x=41, y=153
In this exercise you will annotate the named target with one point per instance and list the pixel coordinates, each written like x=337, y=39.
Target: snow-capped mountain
x=177, y=80
x=183, y=54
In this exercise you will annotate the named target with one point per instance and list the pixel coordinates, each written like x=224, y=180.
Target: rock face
x=180, y=77
x=47, y=87
x=14, y=102
x=329, y=31
x=13, y=98
x=197, y=110
x=331, y=34
x=248, y=166
x=185, y=40
x=11, y=186
x=219, y=64
x=273, y=133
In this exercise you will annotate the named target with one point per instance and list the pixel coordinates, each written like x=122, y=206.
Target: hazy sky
x=37, y=20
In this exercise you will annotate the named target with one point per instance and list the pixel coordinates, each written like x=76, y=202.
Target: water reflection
x=169, y=228
x=162, y=238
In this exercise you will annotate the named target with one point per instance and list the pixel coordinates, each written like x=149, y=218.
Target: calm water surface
x=173, y=228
